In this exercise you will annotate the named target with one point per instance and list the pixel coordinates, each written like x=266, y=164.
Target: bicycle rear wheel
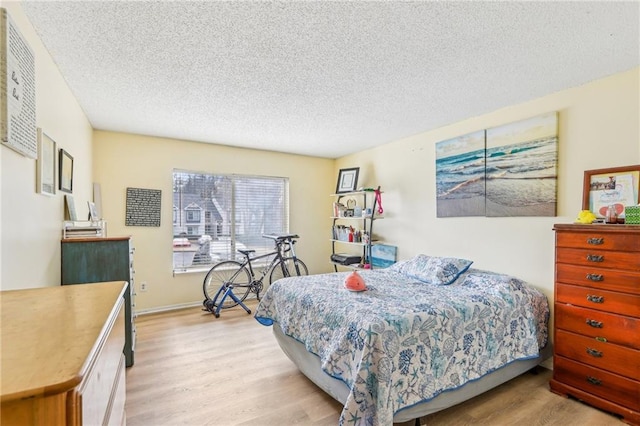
x=290, y=269
x=231, y=274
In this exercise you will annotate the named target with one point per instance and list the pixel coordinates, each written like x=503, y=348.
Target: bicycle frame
x=247, y=262
x=282, y=253
x=284, y=246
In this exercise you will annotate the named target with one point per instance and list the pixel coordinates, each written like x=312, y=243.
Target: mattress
x=405, y=340
x=309, y=365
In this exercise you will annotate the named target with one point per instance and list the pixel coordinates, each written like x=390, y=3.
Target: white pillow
x=433, y=270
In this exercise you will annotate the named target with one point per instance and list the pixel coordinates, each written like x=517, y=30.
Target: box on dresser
x=597, y=317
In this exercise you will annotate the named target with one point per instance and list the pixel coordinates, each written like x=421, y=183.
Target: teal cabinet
x=91, y=260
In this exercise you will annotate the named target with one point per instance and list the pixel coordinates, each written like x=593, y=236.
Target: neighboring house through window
x=214, y=215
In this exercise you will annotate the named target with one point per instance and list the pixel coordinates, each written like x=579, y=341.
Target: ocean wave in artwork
x=514, y=175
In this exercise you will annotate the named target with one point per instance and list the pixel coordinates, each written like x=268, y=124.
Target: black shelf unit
x=365, y=200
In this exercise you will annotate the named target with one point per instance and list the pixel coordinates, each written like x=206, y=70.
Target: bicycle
x=232, y=280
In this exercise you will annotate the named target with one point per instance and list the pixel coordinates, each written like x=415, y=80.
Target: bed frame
x=309, y=365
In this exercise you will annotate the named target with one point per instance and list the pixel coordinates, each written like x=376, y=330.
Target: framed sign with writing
x=17, y=90
x=143, y=207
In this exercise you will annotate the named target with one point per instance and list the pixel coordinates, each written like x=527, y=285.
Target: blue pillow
x=433, y=270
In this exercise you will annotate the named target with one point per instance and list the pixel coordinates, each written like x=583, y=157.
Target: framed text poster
x=17, y=90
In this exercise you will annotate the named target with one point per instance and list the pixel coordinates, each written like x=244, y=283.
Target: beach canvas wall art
x=460, y=176
x=521, y=167
x=383, y=256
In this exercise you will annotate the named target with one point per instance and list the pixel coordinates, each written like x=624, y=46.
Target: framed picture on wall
x=65, y=171
x=616, y=186
x=347, y=180
x=46, y=165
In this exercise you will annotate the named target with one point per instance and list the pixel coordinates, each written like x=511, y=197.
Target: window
x=223, y=213
x=193, y=214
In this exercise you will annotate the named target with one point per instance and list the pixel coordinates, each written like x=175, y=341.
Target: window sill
x=191, y=271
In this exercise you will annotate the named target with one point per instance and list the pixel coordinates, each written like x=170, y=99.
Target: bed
x=428, y=333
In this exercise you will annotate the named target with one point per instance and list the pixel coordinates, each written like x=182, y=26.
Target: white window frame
x=235, y=225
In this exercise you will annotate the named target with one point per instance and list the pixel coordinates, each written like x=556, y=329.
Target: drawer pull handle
x=594, y=323
x=595, y=277
x=595, y=258
x=594, y=353
x=595, y=241
x=601, y=339
x=594, y=381
x=595, y=299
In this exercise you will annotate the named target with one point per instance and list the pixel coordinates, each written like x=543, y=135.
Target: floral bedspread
x=403, y=341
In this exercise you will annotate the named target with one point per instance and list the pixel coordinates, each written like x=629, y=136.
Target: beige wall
x=30, y=223
x=125, y=160
x=599, y=126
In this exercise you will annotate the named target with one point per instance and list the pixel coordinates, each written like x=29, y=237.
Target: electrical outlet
x=143, y=286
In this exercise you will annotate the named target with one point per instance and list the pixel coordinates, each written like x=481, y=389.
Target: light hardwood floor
x=193, y=369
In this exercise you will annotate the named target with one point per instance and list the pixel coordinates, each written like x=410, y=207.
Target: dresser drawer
x=597, y=239
x=610, y=386
x=115, y=412
x=628, y=261
x=602, y=300
x=613, y=328
x=607, y=279
x=608, y=356
x=96, y=390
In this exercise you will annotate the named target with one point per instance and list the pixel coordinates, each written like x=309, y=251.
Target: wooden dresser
x=62, y=355
x=597, y=317
x=93, y=260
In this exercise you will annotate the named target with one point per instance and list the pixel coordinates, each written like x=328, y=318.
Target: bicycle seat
x=279, y=238
x=246, y=252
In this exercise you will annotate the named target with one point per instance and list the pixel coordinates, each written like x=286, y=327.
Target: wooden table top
x=47, y=334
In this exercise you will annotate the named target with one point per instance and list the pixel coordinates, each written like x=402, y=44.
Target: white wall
x=125, y=160
x=599, y=127
x=30, y=223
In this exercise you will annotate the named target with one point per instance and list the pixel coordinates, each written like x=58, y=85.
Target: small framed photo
x=65, y=171
x=617, y=186
x=93, y=211
x=46, y=165
x=347, y=180
x=70, y=208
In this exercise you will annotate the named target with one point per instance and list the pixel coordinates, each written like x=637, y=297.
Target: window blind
x=215, y=215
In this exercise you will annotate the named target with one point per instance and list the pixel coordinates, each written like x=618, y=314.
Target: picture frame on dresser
x=617, y=186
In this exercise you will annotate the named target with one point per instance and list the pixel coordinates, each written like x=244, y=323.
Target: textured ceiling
x=323, y=78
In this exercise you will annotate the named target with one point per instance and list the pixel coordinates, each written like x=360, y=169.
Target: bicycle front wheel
x=288, y=268
x=228, y=274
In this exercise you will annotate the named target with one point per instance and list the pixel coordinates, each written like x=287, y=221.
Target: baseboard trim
x=167, y=308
